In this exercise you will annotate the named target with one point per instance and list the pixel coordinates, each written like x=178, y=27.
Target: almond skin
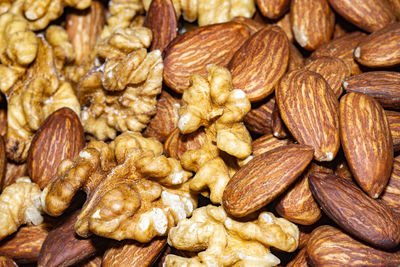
x=300, y=259
x=312, y=22
x=278, y=127
x=366, y=141
x=162, y=21
x=177, y=144
x=266, y=143
x=395, y=7
x=381, y=48
x=264, y=178
x=191, y=52
x=3, y=162
x=309, y=110
x=252, y=25
x=363, y=217
x=296, y=59
x=13, y=172
x=329, y=246
x=393, y=118
x=391, y=194
x=273, y=9
x=7, y=262
x=260, y=63
x=369, y=15
x=60, y=137
x=383, y=86
x=259, y=119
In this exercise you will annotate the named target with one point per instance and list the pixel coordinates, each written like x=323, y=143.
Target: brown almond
x=3, y=162
x=191, y=52
x=393, y=118
x=177, y=144
x=7, y=262
x=300, y=259
x=95, y=261
x=60, y=137
x=369, y=15
x=132, y=253
x=343, y=170
x=384, y=86
x=266, y=143
x=312, y=22
x=278, y=127
x=297, y=204
x=259, y=119
x=3, y=121
x=166, y=118
x=363, y=217
x=381, y=48
x=391, y=194
x=334, y=71
x=342, y=48
x=264, y=178
x=329, y=246
x=84, y=28
x=339, y=31
x=395, y=4
x=366, y=141
x=285, y=25
x=252, y=25
x=309, y=110
x=296, y=59
x=260, y=63
x=13, y=172
x=273, y=9
x=162, y=21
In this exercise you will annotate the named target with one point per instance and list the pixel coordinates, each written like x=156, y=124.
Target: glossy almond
x=132, y=253
x=191, y=52
x=60, y=137
x=329, y=246
x=369, y=15
x=273, y=9
x=309, y=110
x=162, y=21
x=342, y=48
x=278, y=127
x=363, y=217
x=384, y=86
x=391, y=194
x=264, y=178
x=366, y=142
x=260, y=63
x=312, y=22
x=177, y=144
x=266, y=143
x=393, y=118
x=334, y=71
x=300, y=260
x=259, y=119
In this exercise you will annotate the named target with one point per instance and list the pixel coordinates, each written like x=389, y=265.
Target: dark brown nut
x=393, y=118
x=278, y=127
x=259, y=119
x=391, y=194
x=266, y=143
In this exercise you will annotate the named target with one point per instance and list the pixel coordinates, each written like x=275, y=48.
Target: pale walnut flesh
x=212, y=103
x=133, y=190
x=223, y=241
x=19, y=204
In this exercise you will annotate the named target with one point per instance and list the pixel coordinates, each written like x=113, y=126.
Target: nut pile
x=199, y=133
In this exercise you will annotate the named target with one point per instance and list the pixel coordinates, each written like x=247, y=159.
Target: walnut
x=19, y=204
x=62, y=47
x=211, y=102
x=223, y=241
x=120, y=95
x=133, y=190
x=33, y=99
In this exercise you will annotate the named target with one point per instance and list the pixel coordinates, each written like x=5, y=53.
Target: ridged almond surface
x=266, y=143
x=366, y=141
x=309, y=109
x=132, y=253
x=391, y=194
x=273, y=9
x=381, y=48
x=259, y=119
x=296, y=59
x=252, y=25
x=300, y=260
x=162, y=21
x=312, y=22
x=393, y=118
x=278, y=127
x=260, y=63
x=342, y=48
x=264, y=178
x=331, y=247
x=395, y=7
x=369, y=15
x=177, y=144
x=383, y=86
x=334, y=71
x=191, y=52
x=285, y=25
x=297, y=204
x=60, y=137
x=365, y=218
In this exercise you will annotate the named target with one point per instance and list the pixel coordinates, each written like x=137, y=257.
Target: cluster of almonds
x=199, y=133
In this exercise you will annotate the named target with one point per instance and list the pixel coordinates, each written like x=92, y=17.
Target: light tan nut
x=134, y=192
x=223, y=241
x=19, y=204
x=62, y=48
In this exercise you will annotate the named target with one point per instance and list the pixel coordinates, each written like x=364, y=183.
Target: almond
x=369, y=15
x=260, y=63
x=252, y=25
x=309, y=109
x=285, y=25
x=191, y=52
x=329, y=246
x=273, y=9
x=266, y=143
x=60, y=137
x=391, y=194
x=363, y=217
x=334, y=71
x=177, y=144
x=13, y=172
x=312, y=22
x=395, y=7
x=300, y=259
x=3, y=162
x=162, y=21
x=296, y=59
x=3, y=122
x=132, y=253
x=381, y=48
x=95, y=261
x=366, y=142
x=7, y=262
x=343, y=170
x=393, y=118
x=259, y=119
x=264, y=178
x=278, y=127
